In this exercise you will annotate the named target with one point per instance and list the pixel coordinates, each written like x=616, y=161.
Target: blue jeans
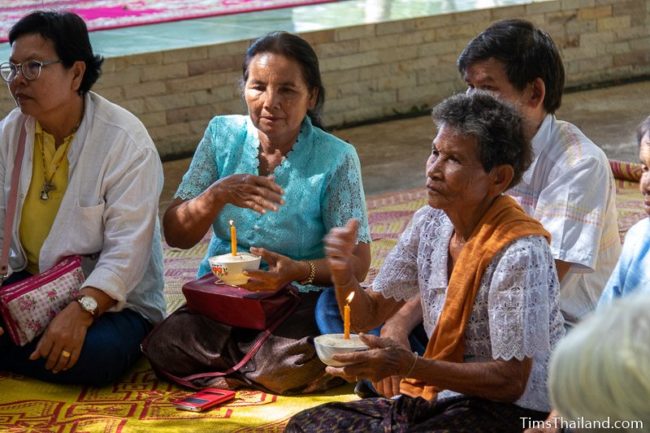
x=328, y=319
x=111, y=347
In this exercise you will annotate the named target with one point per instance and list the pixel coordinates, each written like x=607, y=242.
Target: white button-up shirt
x=109, y=209
x=570, y=189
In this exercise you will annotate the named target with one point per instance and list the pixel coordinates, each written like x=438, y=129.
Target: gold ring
x=65, y=354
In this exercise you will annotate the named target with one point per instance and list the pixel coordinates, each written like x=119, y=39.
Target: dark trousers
x=111, y=347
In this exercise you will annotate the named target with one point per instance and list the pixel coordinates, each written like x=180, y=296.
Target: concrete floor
x=393, y=153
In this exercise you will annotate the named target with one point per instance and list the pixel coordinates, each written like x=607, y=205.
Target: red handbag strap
x=187, y=380
x=10, y=211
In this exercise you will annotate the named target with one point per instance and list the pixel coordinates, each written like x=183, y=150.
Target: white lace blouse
x=516, y=312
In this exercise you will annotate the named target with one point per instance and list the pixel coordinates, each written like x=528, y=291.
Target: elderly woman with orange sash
x=488, y=286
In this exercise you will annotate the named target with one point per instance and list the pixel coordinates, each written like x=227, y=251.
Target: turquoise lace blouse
x=321, y=178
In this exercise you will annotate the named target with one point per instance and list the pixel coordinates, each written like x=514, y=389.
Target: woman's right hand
x=186, y=221
x=259, y=193
x=340, y=244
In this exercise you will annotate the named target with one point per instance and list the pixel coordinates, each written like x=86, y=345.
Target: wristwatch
x=88, y=303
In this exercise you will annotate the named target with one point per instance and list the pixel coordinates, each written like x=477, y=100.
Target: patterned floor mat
x=141, y=403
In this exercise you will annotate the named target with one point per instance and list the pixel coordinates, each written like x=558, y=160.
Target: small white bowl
x=229, y=268
x=328, y=345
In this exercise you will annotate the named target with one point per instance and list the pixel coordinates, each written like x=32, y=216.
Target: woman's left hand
x=63, y=339
x=282, y=270
x=384, y=358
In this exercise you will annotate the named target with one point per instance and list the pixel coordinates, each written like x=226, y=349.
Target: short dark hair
x=642, y=130
x=527, y=53
x=295, y=48
x=69, y=34
x=496, y=125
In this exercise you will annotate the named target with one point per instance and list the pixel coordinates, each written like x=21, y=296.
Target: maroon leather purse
x=235, y=306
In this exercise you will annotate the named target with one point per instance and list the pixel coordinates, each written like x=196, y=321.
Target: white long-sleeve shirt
x=110, y=207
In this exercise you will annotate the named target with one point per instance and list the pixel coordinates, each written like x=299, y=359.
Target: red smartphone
x=203, y=400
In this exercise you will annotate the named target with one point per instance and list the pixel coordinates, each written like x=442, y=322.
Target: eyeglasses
x=31, y=69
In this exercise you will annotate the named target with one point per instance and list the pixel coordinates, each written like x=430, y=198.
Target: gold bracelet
x=312, y=274
x=415, y=360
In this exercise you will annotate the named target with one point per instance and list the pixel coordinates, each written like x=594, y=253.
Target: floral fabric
x=28, y=306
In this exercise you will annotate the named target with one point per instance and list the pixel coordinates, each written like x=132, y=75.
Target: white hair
x=601, y=370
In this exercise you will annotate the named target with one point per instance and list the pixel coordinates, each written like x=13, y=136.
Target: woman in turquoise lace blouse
x=321, y=185
x=285, y=183
x=282, y=179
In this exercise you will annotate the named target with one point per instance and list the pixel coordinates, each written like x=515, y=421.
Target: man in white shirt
x=569, y=186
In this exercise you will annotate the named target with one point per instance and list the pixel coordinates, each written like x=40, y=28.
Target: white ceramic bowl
x=328, y=345
x=229, y=268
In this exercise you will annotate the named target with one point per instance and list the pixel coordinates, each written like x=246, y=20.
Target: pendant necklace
x=48, y=184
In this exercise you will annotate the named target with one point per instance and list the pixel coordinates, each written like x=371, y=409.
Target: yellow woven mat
x=141, y=403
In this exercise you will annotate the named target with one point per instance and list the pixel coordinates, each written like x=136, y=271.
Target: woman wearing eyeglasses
x=89, y=185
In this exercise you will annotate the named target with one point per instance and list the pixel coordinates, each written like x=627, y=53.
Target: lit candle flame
x=350, y=297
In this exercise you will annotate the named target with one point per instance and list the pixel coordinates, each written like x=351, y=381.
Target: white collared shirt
x=109, y=209
x=570, y=189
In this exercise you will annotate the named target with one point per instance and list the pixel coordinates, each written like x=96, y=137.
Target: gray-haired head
x=496, y=125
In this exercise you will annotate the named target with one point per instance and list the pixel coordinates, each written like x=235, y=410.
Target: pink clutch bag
x=28, y=306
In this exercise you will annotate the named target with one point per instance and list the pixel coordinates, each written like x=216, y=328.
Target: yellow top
x=49, y=163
